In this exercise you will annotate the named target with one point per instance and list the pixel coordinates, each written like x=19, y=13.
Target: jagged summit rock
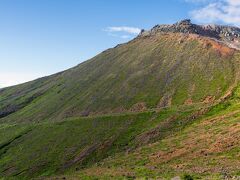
x=230, y=35
x=185, y=21
x=186, y=26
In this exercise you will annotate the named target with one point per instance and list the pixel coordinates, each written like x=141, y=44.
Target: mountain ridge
x=229, y=35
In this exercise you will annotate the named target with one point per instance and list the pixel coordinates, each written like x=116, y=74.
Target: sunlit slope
x=166, y=69
x=199, y=141
x=207, y=148
x=161, y=105
x=47, y=149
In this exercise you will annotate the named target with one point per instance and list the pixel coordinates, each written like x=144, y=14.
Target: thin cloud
x=124, y=29
x=123, y=32
x=223, y=11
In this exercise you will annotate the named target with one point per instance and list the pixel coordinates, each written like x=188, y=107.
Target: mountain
x=226, y=34
x=164, y=104
x=153, y=71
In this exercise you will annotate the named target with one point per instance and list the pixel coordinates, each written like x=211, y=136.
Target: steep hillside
x=167, y=69
x=207, y=149
x=163, y=105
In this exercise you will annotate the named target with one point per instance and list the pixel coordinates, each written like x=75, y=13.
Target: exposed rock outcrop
x=228, y=34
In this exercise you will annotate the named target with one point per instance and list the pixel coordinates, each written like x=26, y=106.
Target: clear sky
x=42, y=37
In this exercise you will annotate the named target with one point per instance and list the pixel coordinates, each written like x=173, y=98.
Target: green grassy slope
x=32, y=150
x=208, y=148
x=146, y=108
x=147, y=72
x=201, y=141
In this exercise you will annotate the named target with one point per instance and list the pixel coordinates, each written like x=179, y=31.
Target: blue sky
x=42, y=37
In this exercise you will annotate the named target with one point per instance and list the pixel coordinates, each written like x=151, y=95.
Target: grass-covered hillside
x=34, y=150
x=159, y=106
x=208, y=148
x=148, y=72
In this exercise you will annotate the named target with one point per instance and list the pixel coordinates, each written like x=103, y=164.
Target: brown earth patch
x=204, y=147
x=162, y=157
x=218, y=46
x=84, y=153
x=224, y=143
x=224, y=50
x=188, y=102
x=165, y=101
x=209, y=43
x=209, y=99
x=138, y=107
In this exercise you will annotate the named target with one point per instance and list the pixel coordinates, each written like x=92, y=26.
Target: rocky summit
x=227, y=34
